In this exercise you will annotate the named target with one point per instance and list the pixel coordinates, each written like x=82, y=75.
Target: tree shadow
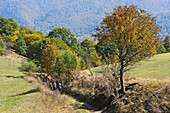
x=22, y=77
x=28, y=92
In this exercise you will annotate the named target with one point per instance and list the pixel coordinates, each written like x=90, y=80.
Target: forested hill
x=80, y=16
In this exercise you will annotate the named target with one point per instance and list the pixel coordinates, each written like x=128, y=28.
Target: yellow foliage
x=131, y=32
x=17, y=33
x=48, y=59
x=31, y=38
x=14, y=38
x=95, y=43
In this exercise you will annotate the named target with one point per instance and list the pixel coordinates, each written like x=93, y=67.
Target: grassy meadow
x=154, y=68
x=16, y=94
x=24, y=94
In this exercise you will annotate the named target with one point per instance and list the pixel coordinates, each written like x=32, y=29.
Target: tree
x=20, y=46
x=48, y=59
x=65, y=35
x=66, y=63
x=161, y=49
x=167, y=42
x=30, y=38
x=89, y=51
x=8, y=28
x=2, y=46
x=131, y=33
x=61, y=33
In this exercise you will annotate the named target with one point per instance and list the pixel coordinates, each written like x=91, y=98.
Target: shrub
x=29, y=66
x=162, y=49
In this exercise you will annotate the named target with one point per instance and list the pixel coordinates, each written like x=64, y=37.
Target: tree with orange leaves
x=131, y=33
x=48, y=59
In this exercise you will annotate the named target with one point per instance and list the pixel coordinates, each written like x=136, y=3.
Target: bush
x=66, y=63
x=29, y=66
x=162, y=49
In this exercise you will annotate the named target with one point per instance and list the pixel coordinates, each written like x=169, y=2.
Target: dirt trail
x=88, y=107
x=74, y=102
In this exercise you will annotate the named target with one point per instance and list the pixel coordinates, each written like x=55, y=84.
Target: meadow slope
x=16, y=94
x=154, y=68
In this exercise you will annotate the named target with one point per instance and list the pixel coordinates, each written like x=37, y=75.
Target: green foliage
x=20, y=46
x=66, y=63
x=82, y=63
x=167, y=42
x=35, y=50
x=161, y=49
x=29, y=66
x=96, y=60
x=59, y=43
x=90, y=56
x=61, y=33
x=23, y=30
x=105, y=51
x=7, y=28
x=65, y=35
x=2, y=47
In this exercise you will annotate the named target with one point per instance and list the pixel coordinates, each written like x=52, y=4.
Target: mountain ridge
x=79, y=16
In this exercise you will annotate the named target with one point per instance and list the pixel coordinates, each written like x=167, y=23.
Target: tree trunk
x=121, y=79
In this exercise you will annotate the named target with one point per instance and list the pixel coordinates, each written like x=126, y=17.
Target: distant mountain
x=80, y=16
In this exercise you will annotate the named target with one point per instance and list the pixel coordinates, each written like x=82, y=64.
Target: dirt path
x=88, y=107
x=82, y=106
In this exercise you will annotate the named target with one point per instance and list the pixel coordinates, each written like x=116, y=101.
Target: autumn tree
x=131, y=33
x=30, y=38
x=48, y=59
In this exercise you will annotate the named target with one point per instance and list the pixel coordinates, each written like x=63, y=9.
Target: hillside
x=155, y=68
x=80, y=16
x=20, y=93
x=16, y=94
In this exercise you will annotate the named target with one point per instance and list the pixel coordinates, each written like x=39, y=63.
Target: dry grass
x=51, y=101
x=141, y=95
x=14, y=56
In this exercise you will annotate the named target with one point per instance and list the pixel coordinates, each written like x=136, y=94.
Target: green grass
x=16, y=94
x=157, y=67
x=154, y=68
x=9, y=67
